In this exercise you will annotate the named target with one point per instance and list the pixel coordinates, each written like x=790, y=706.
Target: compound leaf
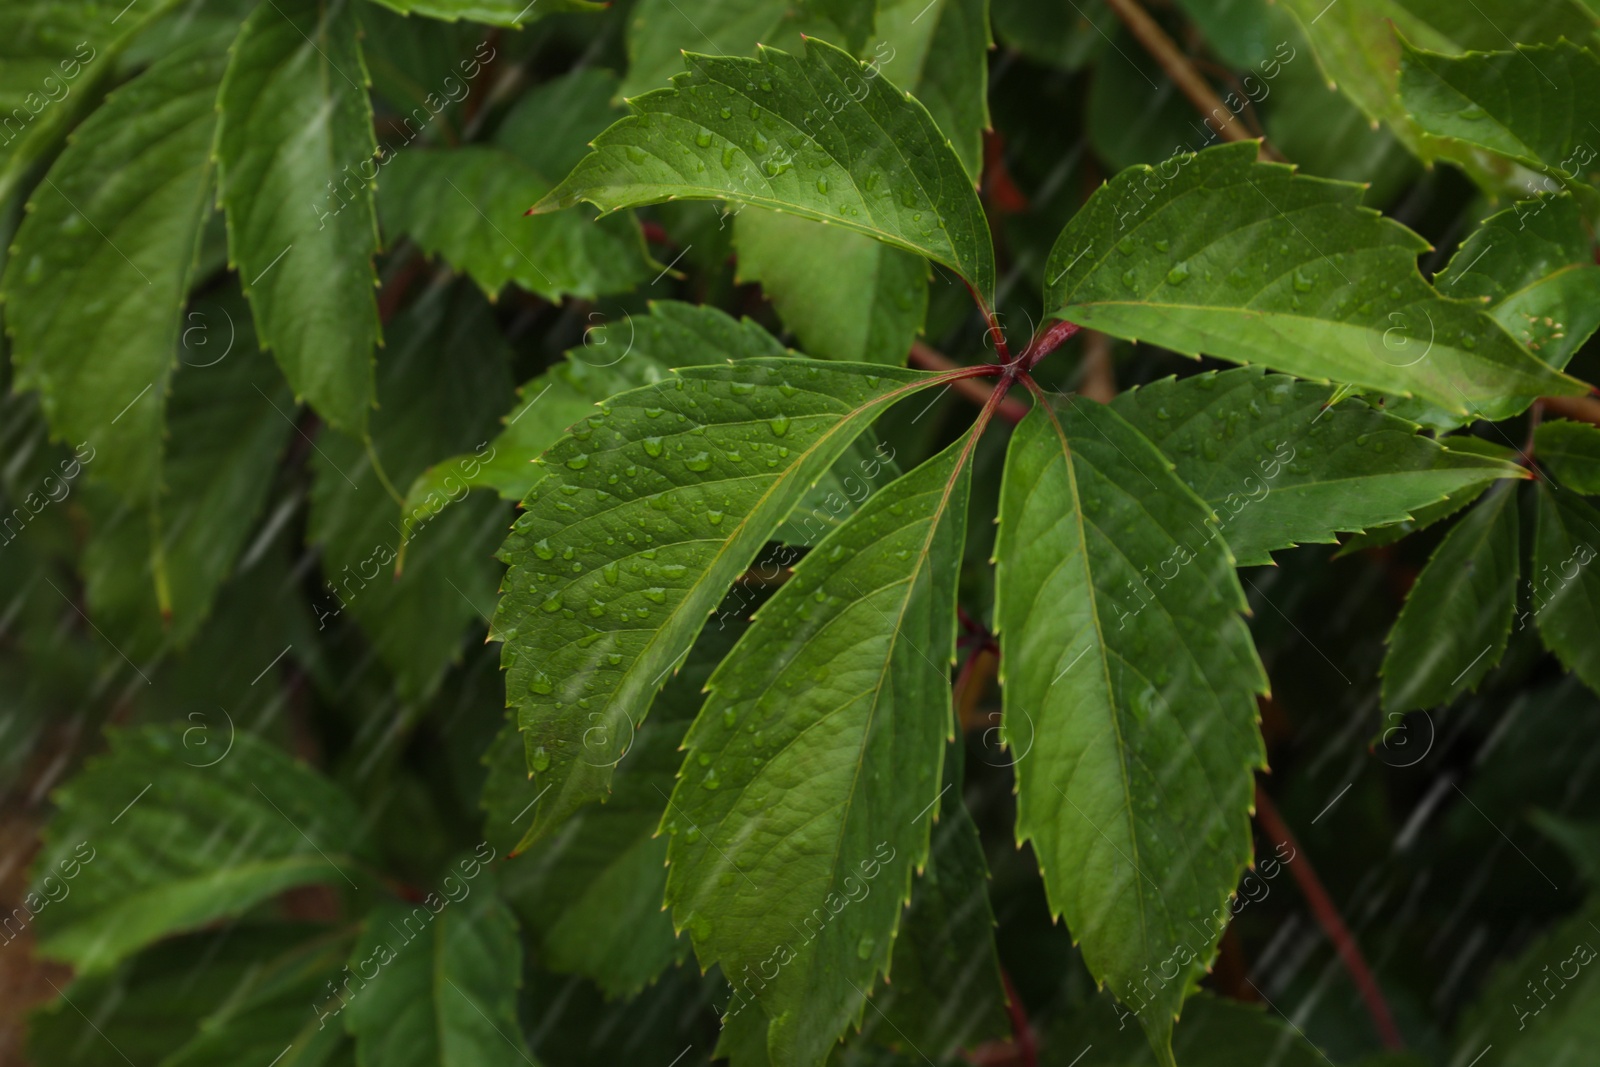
x=1457, y=618
x=1280, y=467
x=103, y=259
x=648, y=511
x=294, y=136
x=1253, y=263
x=785, y=132
x=169, y=838
x=1566, y=589
x=810, y=775
x=1126, y=663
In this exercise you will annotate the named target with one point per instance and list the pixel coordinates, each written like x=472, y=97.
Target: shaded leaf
x=845, y=295
x=1252, y=263
x=615, y=357
x=154, y=1004
x=513, y=13
x=1544, y=1006
x=646, y=514
x=54, y=56
x=592, y=892
x=874, y=162
x=1137, y=689
x=1457, y=617
x=804, y=800
x=440, y=382
x=447, y=972
x=1281, y=468
x=661, y=31
x=947, y=987
x=162, y=844
x=467, y=205
x=550, y=126
x=1357, y=46
x=1535, y=104
x=1571, y=452
x=152, y=572
x=103, y=258
x=939, y=54
x=1566, y=588
x=294, y=138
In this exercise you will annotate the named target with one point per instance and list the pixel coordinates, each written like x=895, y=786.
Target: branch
x=1327, y=916
x=1183, y=73
x=1582, y=408
x=977, y=391
x=1099, y=374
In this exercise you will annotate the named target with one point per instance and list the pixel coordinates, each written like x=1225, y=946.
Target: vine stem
x=1178, y=67
x=978, y=392
x=1327, y=916
x=1581, y=408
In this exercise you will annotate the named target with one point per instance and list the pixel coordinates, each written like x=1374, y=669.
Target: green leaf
x=947, y=986
x=1533, y=267
x=661, y=30
x=440, y=382
x=1282, y=468
x=1214, y=1033
x=294, y=137
x=940, y=54
x=513, y=13
x=265, y=1016
x=1357, y=46
x=1544, y=1006
x=154, y=1004
x=614, y=357
x=1457, y=617
x=152, y=571
x=1571, y=452
x=446, y=971
x=161, y=843
x=467, y=205
x=1535, y=104
x=784, y=132
x=1424, y=517
x=846, y=296
x=1566, y=590
x=1247, y=261
x=646, y=514
x=1580, y=840
x=811, y=773
x=1136, y=688
x=54, y=57
x=592, y=891
x=97, y=279
x=550, y=126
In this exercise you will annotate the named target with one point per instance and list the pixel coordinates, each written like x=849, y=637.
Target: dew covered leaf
x=1124, y=658
x=1219, y=254
x=810, y=775
x=647, y=512
x=1565, y=582
x=1282, y=468
x=785, y=132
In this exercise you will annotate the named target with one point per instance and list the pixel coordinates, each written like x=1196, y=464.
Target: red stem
x=1021, y=1031
x=1327, y=916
